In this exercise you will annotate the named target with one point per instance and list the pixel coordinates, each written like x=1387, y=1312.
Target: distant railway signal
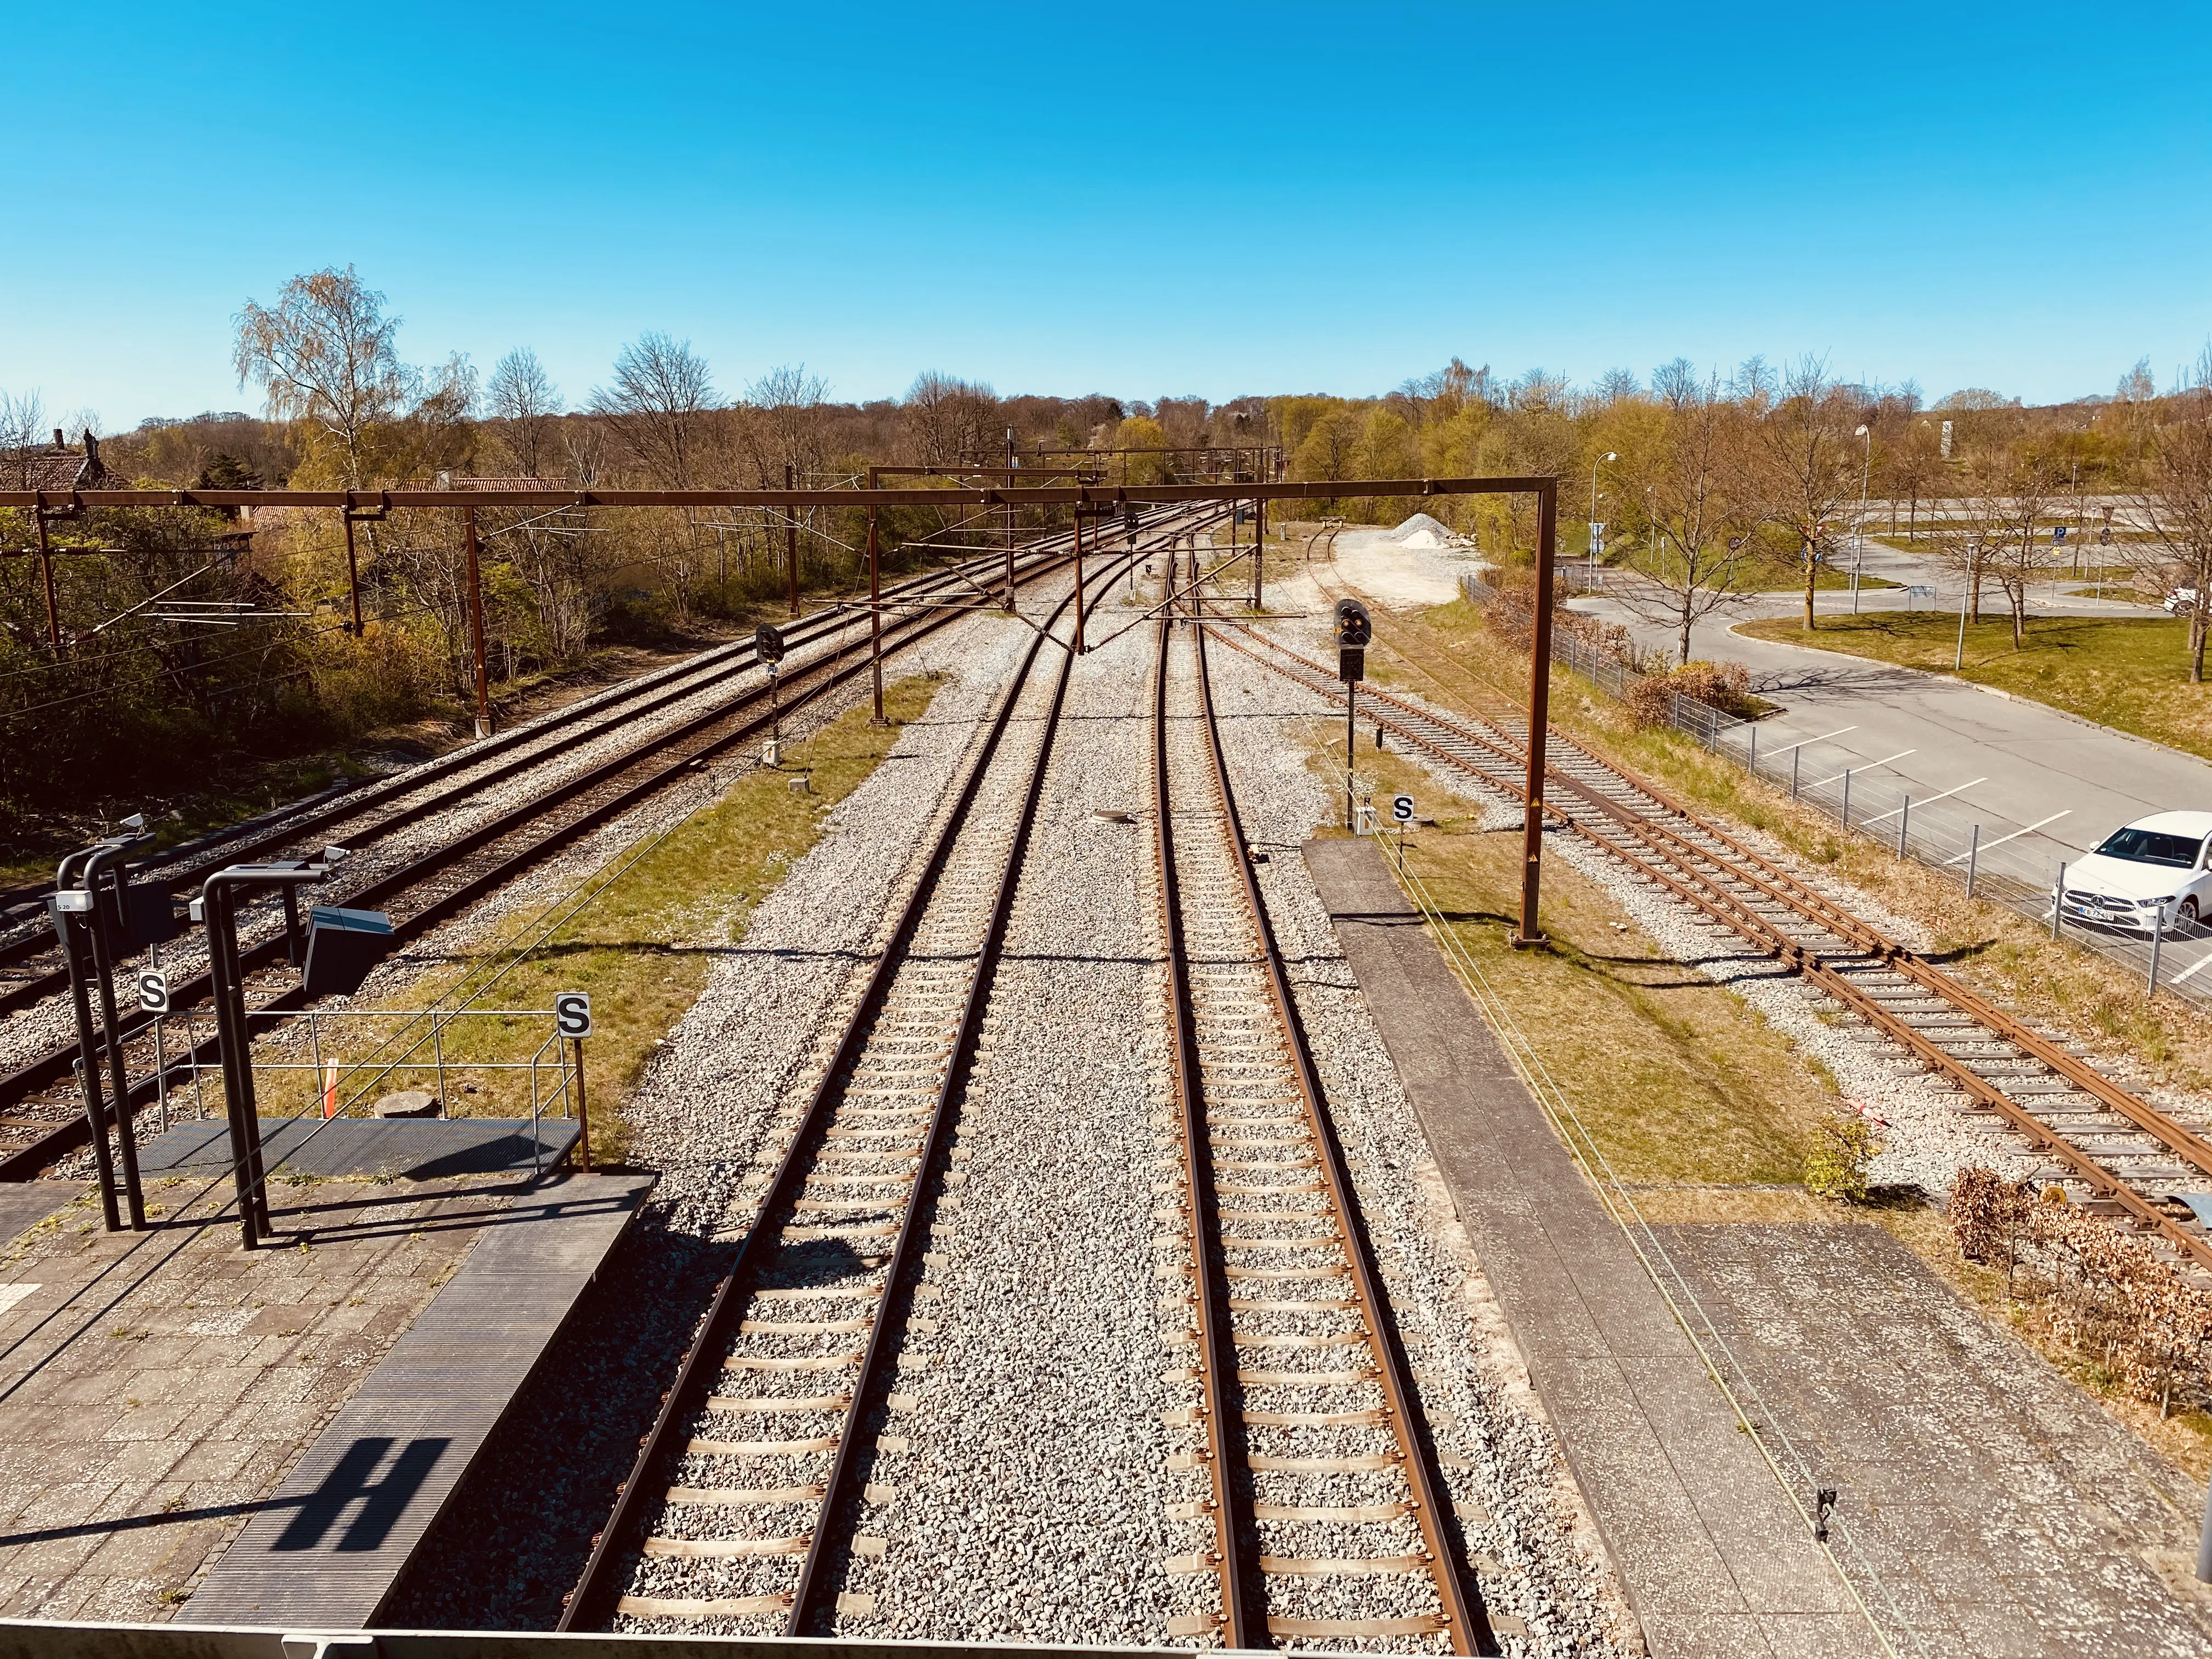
x=768, y=642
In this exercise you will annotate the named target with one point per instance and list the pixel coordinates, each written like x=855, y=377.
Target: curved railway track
x=1325, y=1515
x=743, y=1508
x=44, y=1120
x=2125, y=1154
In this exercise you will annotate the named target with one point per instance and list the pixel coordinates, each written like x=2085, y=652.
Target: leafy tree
x=325, y=353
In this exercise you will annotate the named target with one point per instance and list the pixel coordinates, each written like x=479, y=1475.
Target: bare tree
x=944, y=414
x=2176, y=502
x=1677, y=384
x=325, y=353
x=1810, y=469
x=1702, y=493
x=789, y=400
x=23, y=430
x=2020, y=491
x=661, y=390
x=1913, y=468
x=522, y=395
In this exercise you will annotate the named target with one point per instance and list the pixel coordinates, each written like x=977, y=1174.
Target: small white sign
x=1402, y=808
x=154, y=990
x=571, y=1013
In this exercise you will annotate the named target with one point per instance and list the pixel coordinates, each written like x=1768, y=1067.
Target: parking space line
x=2016, y=835
x=1871, y=766
x=1926, y=801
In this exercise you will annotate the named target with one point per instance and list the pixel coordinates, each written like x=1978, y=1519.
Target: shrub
x=1836, y=1166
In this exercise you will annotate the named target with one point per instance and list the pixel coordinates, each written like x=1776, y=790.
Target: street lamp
x=1858, y=536
x=1597, y=529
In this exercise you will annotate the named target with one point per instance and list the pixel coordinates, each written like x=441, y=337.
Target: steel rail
x=1466, y=1623
x=1711, y=894
x=1233, y=1521
x=596, y=714
x=588, y=1602
x=72, y=1131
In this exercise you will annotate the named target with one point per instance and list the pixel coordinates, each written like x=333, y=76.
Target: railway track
x=1320, y=1508
x=360, y=815
x=2122, y=1156
x=43, y=1120
x=746, y=1507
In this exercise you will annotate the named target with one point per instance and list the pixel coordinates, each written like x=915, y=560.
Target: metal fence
x=2010, y=863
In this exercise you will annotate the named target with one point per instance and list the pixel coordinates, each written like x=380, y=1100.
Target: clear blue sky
x=1213, y=199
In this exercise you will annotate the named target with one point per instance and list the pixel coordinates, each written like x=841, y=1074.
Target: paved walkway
x=156, y=1388
x=1711, y=1552
x=2003, y=1512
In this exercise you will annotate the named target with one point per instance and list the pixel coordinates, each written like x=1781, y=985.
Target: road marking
x=1925, y=801
x=1871, y=766
x=1786, y=748
x=2016, y=835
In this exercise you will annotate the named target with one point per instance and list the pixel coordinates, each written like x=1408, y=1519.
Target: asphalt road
x=2035, y=760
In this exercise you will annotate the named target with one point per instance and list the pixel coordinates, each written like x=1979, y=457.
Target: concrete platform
x=325, y=1549
x=1989, y=1503
x=1712, y=1555
x=25, y=1204
x=368, y=1149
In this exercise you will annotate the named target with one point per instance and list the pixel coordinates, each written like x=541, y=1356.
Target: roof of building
x=63, y=468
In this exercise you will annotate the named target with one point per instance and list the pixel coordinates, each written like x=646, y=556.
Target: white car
x=2151, y=874
x=2180, y=602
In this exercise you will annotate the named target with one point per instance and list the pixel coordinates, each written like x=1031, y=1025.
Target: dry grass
x=1447, y=658
x=1678, y=1079
x=644, y=945
x=2005, y=958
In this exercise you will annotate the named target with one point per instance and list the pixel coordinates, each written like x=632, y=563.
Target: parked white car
x=2150, y=874
x=2180, y=602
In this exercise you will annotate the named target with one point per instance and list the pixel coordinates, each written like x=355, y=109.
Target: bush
x=1836, y=1166
x=1725, y=686
x=2102, y=1294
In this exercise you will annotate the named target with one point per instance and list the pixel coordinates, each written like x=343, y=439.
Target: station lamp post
x=1858, y=537
x=1597, y=529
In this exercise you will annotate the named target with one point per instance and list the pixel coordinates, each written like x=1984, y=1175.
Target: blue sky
x=1158, y=200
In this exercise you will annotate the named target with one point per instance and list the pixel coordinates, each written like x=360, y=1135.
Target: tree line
x=1697, y=474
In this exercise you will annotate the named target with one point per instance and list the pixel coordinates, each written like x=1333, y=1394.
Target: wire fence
x=2015, y=865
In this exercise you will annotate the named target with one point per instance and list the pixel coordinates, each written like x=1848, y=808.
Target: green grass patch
x=2128, y=672
x=1678, y=1079
x=642, y=946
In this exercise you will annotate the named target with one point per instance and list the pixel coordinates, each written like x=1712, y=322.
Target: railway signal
x=1355, y=631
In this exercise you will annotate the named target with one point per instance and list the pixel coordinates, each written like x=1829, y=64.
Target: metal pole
x=87, y=1069
x=237, y=1062
x=126, y=1144
x=47, y=570
x=1011, y=463
x=791, y=535
x=2157, y=939
x=353, y=570
x=1539, y=705
x=1259, y=544
x=1845, y=818
x=161, y=1052
x=1079, y=581
x=583, y=1112
x=1973, y=857
x=1351, y=706
x=2057, y=900
x=477, y=625
x=875, y=617
x=1796, y=754
x=1751, y=752
x=1904, y=818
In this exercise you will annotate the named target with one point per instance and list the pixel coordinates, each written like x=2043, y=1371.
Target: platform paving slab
x=1979, y=1450
x=327, y=1548
x=24, y=1204
x=154, y=1388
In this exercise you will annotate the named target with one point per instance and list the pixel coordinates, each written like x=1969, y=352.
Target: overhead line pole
x=1529, y=931
x=791, y=536
x=476, y=624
